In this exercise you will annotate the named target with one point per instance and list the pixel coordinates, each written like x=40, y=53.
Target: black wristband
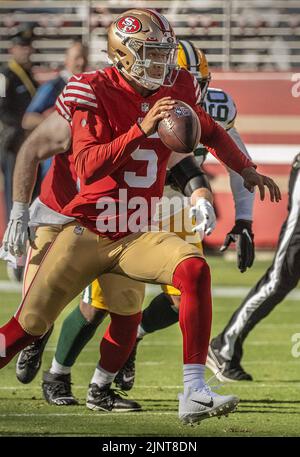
x=188, y=176
x=196, y=183
x=240, y=224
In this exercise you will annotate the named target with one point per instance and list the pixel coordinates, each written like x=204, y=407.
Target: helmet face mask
x=204, y=84
x=155, y=65
x=142, y=45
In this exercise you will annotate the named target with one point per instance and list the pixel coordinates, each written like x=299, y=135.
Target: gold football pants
x=77, y=256
x=110, y=292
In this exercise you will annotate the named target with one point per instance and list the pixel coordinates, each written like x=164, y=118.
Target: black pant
x=7, y=164
x=282, y=276
x=7, y=168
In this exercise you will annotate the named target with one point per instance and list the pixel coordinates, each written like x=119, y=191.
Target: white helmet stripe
x=190, y=52
x=161, y=19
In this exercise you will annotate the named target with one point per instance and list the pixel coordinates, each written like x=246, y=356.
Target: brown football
x=181, y=131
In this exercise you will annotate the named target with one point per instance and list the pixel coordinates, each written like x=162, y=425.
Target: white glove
x=205, y=217
x=17, y=231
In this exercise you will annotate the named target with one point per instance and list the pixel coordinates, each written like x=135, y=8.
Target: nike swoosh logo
x=129, y=378
x=209, y=404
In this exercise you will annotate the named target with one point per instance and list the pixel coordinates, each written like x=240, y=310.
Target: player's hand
x=242, y=235
x=16, y=234
x=156, y=113
x=252, y=179
x=205, y=217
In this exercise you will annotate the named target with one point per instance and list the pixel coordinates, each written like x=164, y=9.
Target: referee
x=226, y=350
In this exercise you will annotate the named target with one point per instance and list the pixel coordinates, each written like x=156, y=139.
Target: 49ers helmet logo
x=129, y=24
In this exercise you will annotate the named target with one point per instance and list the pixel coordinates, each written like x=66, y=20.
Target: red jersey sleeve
x=77, y=93
x=214, y=137
x=96, y=154
x=62, y=109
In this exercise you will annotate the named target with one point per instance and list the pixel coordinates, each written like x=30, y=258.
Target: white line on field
x=253, y=362
x=227, y=291
x=100, y=414
x=162, y=387
x=287, y=309
x=179, y=344
x=11, y=287
x=222, y=291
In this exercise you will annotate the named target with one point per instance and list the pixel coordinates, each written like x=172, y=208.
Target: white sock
x=193, y=376
x=141, y=332
x=57, y=368
x=102, y=377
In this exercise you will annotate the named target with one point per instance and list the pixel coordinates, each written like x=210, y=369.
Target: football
x=181, y=131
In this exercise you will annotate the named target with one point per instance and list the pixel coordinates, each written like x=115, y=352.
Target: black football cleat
x=57, y=389
x=124, y=380
x=30, y=359
x=106, y=399
x=225, y=370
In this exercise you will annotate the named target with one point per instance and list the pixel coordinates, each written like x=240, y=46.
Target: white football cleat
x=196, y=405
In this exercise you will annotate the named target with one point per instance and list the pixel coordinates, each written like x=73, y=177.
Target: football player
x=163, y=309
x=109, y=145
x=82, y=323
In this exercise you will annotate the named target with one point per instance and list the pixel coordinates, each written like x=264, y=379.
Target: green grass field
x=270, y=406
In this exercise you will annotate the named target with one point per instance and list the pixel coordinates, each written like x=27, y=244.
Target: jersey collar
x=119, y=81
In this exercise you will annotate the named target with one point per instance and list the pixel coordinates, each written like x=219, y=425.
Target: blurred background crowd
x=257, y=34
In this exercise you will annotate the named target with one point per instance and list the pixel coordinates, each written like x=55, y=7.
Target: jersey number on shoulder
x=217, y=107
x=146, y=155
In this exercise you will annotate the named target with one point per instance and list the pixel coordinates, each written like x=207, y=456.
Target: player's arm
x=243, y=199
x=96, y=154
x=187, y=176
x=241, y=233
x=221, y=145
x=51, y=137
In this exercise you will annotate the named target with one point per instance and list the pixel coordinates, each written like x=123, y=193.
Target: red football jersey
x=60, y=183
x=116, y=163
